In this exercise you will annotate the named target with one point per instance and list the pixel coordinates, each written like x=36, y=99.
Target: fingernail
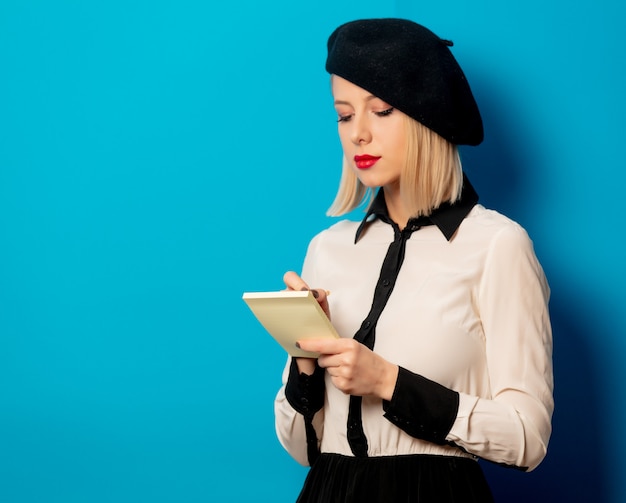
x=298, y=345
x=303, y=289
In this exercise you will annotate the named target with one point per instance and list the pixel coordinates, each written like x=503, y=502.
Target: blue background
x=159, y=158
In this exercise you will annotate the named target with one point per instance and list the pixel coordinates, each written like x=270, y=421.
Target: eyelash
x=382, y=113
x=385, y=113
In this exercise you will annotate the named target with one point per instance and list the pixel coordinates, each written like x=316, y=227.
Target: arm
x=299, y=407
x=302, y=395
x=511, y=426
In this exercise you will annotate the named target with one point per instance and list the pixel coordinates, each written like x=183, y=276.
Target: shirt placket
x=366, y=334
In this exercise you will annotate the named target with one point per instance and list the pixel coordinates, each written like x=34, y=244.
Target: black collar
x=447, y=217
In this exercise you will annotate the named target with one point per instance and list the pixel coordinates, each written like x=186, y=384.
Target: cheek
x=397, y=141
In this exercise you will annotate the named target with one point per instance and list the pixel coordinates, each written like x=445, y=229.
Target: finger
x=294, y=282
x=322, y=346
x=330, y=362
x=322, y=298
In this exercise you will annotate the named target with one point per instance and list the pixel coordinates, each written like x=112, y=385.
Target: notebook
x=289, y=316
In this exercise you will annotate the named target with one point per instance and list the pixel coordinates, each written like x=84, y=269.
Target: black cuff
x=305, y=393
x=422, y=408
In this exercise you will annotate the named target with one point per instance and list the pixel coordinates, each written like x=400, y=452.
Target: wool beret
x=412, y=69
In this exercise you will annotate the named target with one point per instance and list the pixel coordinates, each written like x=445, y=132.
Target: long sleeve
x=421, y=407
x=513, y=426
x=300, y=400
x=468, y=325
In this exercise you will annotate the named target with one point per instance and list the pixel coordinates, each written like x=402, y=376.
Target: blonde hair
x=432, y=175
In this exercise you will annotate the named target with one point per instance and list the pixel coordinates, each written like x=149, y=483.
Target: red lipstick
x=365, y=161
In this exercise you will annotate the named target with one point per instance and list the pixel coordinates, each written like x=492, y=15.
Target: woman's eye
x=344, y=118
x=384, y=113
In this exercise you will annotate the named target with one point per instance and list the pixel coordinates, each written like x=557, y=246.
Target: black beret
x=412, y=69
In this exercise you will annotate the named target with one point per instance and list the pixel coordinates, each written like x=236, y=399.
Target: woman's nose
x=361, y=132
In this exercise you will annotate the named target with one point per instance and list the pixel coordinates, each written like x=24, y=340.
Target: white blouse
x=470, y=314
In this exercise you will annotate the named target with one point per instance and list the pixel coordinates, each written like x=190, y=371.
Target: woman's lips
x=365, y=161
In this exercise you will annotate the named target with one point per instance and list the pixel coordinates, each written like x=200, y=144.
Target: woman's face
x=372, y=134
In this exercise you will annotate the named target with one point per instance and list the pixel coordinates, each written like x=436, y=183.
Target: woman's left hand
x=354, y=369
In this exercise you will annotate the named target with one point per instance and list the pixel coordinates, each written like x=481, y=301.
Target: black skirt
x=390, y=479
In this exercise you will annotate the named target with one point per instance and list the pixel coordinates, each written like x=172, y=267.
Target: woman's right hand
x=295, y=282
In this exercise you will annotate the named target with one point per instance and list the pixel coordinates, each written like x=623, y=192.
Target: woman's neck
x=395, y=206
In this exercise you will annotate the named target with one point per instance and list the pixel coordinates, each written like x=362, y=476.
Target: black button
x=386, y=282
x=366, y=324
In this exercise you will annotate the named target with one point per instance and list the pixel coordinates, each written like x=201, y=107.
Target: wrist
x=306, y=365
x=387, y=383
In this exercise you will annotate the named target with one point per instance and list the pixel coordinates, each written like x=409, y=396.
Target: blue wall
x=159, y=158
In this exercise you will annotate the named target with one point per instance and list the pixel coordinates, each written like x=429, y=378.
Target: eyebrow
x=368, y=98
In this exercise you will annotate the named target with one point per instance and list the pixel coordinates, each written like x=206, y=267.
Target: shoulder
x=341, y=230
x=506, y=245
x=490, y=225
x=327, y=247
x=343, y=227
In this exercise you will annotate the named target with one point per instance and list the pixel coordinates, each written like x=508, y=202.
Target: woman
x=446, y=347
